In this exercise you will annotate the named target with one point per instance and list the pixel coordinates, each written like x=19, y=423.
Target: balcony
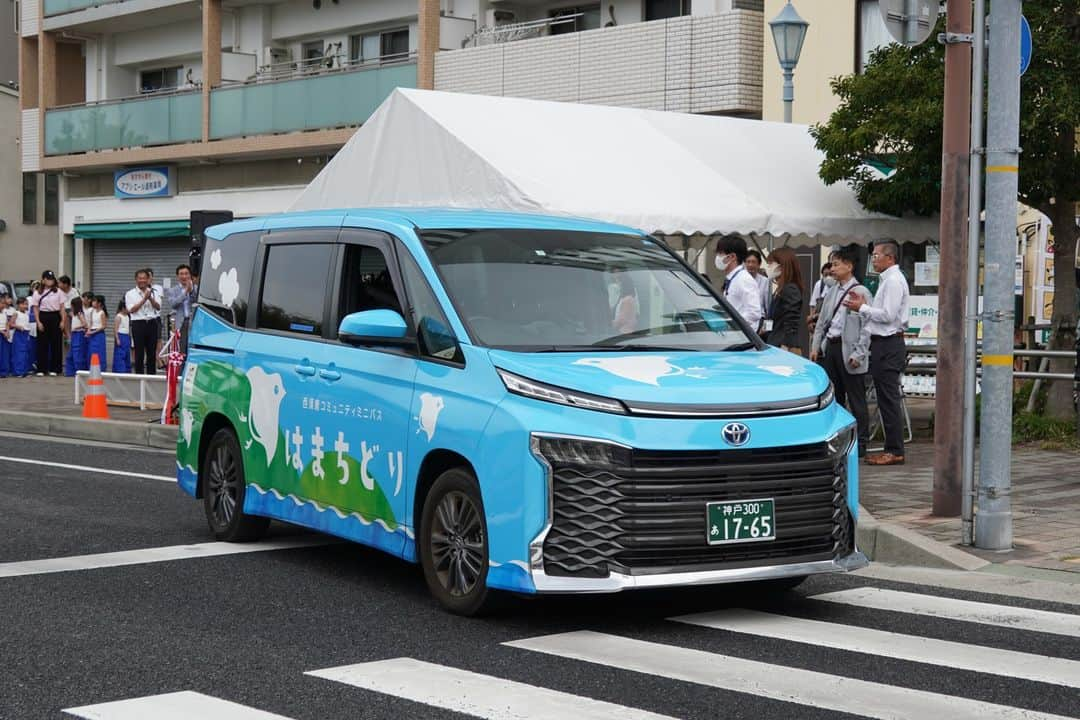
x=144, y=121
x=59, y=7
x=304, y=100
x=697, y=64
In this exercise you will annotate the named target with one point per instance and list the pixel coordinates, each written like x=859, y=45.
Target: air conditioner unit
x=495, y=17
x=276, y=55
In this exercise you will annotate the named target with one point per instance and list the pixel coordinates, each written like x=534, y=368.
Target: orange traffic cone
x=95, y=404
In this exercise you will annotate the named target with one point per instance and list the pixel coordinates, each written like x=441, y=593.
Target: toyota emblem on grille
x=736, y=434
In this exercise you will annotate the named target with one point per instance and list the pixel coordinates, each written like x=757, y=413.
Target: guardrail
x=147, y=392
x=1019, y=352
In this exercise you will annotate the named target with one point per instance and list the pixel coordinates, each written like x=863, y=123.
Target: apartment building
x=29, y=203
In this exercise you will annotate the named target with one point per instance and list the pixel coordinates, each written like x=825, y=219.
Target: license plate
x=740, y=521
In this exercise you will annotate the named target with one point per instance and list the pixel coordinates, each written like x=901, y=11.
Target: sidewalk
x=56, y=396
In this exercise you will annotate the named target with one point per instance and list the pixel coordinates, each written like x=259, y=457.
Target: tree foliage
x=892, y=114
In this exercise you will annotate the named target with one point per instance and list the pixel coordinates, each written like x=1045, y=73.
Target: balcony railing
x=163, y=119
x=327, y=99
x=59, y=7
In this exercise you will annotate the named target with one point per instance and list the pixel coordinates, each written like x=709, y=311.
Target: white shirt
x=77, y=322
x=22, y=321
x=9, y=322
x=72, y=293
x=97, y=319
x=744, y=295
x=147, y=311
x=888, y=314
x=123, y=324
x=836, y=325
x=817, y=293
x=763, y=288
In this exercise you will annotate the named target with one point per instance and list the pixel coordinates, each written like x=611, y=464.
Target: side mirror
x=438, y=340
x=374, y=327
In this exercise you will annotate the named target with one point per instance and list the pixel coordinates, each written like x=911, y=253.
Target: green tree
x=892, y=114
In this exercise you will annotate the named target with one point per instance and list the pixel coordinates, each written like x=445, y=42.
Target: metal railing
x=931, y=369
x=147, y=392
x=325, y=64
x=494, y=34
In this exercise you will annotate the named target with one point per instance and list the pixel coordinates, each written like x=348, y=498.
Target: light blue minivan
x=517, y=402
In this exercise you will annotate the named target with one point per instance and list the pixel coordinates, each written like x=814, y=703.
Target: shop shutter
x=115, y=262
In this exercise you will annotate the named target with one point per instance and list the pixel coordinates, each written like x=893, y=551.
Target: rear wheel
x=454, y=545
x=223, y=491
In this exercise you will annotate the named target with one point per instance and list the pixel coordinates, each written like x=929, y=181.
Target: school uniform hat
x=48, y=275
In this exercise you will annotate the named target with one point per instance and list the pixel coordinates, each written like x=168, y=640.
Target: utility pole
x=949, y=388
x=993, y=526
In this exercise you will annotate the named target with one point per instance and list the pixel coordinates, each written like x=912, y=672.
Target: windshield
x=567, y=291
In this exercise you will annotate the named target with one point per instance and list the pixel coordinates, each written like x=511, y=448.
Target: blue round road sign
x=1025, y=45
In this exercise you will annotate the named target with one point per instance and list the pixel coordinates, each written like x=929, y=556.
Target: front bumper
x=616, y=582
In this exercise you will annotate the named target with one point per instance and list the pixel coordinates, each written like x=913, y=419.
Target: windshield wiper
x=630, y=347
x=740, y=347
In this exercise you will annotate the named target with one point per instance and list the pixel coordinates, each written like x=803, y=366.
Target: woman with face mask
x=786, y=308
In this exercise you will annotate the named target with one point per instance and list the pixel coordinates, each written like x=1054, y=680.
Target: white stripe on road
x=83, y=468
x=153, y=555
x=474, y=694
x=962, y=610
x=961, y=656
x=759, y=679
x=172, y=706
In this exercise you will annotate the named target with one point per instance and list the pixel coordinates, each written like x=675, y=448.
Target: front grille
x=643, y=511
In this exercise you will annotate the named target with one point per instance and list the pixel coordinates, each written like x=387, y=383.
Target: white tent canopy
x=662, y=172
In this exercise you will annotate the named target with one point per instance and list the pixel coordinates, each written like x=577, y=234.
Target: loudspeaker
x=200, y=220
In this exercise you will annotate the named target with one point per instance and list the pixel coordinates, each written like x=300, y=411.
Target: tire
x=224, y=486
x=454, y=544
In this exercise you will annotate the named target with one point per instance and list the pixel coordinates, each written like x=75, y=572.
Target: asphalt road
x=245, y=628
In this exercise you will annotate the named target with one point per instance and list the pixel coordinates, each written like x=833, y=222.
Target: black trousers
x=50, y=343
x=888, y=356
x=144, y=336
x=850, y=389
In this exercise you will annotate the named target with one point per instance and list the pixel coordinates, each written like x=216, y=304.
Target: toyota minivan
x=515, y=402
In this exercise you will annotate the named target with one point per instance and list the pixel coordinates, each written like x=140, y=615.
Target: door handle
x=331, y=375
x=305, y=369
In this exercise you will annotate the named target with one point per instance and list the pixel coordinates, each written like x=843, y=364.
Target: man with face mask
x=740, y=288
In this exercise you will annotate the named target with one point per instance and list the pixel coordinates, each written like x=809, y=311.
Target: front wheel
x=454, y=545
x=223, y=491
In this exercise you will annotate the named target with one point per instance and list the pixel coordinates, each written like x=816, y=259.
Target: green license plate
x=739, y=521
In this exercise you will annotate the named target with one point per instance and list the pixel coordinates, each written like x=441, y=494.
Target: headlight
x=825, y=399
x=541, y=391
x=840, y=443
x=557, y=450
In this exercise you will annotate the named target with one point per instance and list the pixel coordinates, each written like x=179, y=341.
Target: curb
x=889, y=543
x=118, y=432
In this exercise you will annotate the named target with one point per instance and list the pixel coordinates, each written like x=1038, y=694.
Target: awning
x=661, y=172
x=133, y=230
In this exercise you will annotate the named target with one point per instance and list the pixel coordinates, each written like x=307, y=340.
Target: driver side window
x=367, y=282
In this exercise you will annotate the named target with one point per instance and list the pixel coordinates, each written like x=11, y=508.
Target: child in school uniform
x=76, y=358
x=95, y=333
x=122, y=340
x=7, y=334
x=21, y=363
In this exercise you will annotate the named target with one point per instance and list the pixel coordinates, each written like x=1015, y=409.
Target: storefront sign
x=923, y=316
x=145, y=182
x=926, y=273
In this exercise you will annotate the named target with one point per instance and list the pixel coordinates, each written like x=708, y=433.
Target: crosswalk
x=720, y=676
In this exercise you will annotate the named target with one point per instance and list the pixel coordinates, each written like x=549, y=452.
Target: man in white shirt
x=144, y=306
x=740, y=288
x=753, y=264
x=887, y=319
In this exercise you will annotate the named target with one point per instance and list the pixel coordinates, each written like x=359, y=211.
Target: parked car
x=15, y=289
x=450, y=387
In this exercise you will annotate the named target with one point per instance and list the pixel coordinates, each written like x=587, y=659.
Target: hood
x=674, y=378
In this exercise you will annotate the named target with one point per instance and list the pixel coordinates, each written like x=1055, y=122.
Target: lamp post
x=788, y=32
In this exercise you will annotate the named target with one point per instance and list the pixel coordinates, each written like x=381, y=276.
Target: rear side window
x=227, y=271
x=294, y=288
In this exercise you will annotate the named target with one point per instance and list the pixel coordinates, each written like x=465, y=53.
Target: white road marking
x=962, y=610
x=153, y=555
x=787, y=684
x=962, y=656
x=474, y=694
x=83, y=468
x=172, y=706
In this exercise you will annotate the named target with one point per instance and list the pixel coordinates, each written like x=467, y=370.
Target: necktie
x=727, y=283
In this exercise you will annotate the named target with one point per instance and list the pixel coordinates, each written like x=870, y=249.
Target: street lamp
x=788, y=32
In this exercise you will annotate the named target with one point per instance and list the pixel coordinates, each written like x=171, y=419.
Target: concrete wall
x=701, y=64
x=25, y=250
x=9, y=46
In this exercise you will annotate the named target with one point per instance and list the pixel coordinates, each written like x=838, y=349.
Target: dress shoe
x=885, y=459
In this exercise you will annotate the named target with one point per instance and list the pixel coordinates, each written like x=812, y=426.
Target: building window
x=52, y=198
x=872, y=32
x=29, y=198
x=661, y=9
x=161, y=79
x=384, y=46
x=564, y=20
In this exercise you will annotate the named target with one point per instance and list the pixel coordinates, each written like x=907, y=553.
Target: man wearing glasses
x=887, y=318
